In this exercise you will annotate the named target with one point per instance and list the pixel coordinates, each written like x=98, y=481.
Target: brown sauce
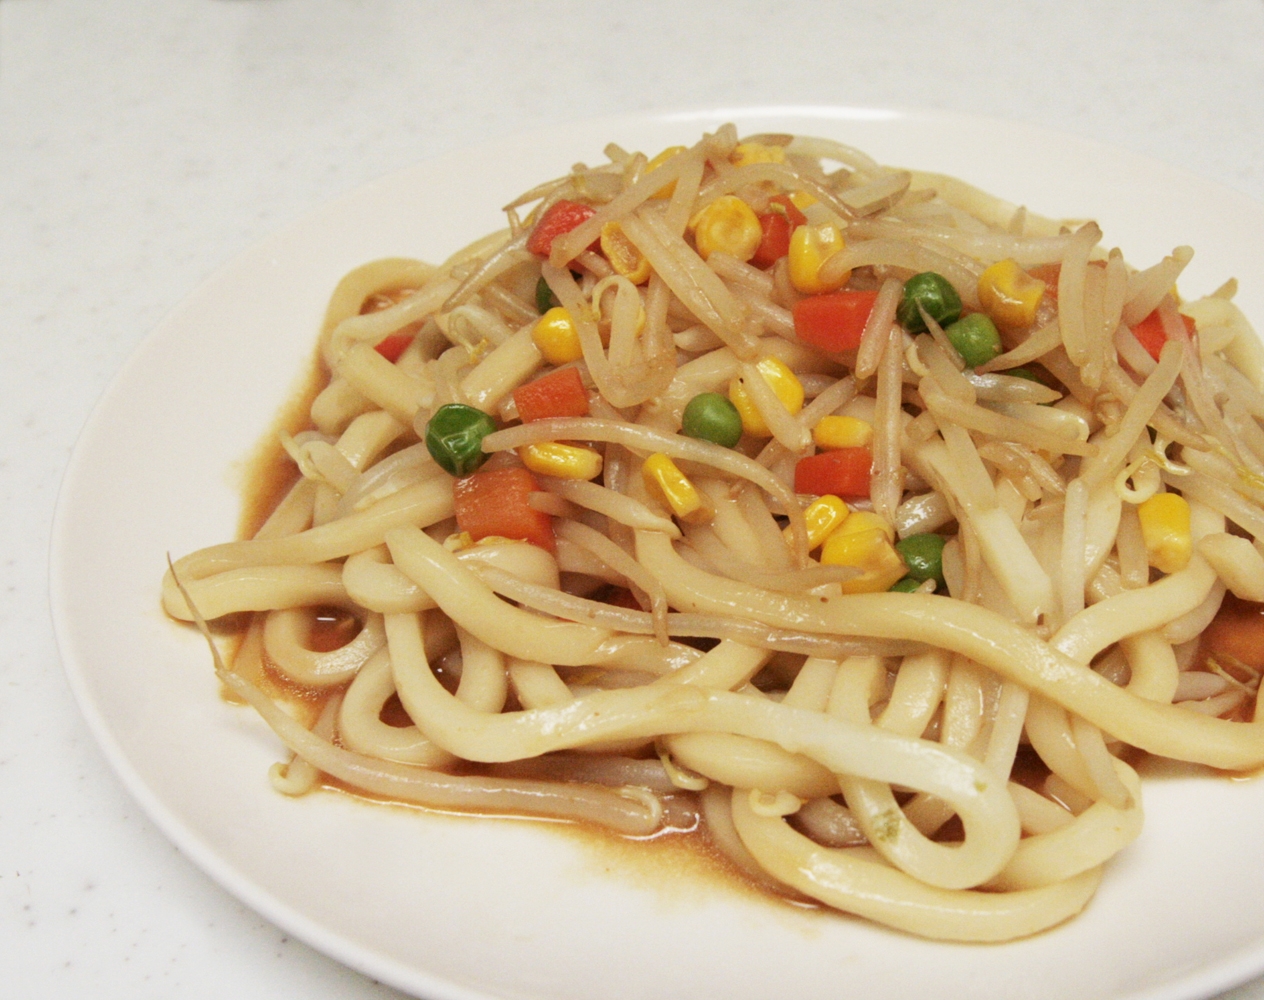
x=675, y=858
x=679, y=861
x=394, y=714
x=682, y=864
x=332, y=628
x=269, y=471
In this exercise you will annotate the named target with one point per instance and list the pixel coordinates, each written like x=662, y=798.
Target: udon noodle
x=919, y=700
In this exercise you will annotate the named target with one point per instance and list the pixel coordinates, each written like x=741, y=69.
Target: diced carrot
x=497, y=503
x=1151, y=335
x=558, y=394
x=781, y=219
x=559, y=218
x=1048, y=273
x=393, y=345
x=833, y=321
x=844, y=472
x=1149, y=332
x=775, y=242
x=1236, y=634
x=792, y=213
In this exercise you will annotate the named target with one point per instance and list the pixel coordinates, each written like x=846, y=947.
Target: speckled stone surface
x=145, y=142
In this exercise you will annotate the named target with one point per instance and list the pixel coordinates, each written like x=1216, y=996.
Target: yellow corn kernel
x=1009, y=294
x=842, y=432
x=556, y=337
x=785, y=385
x=801, y=199
x=823, y=515
x=1165, y=528
x=745, y=153
x=667, y=190
x=565, y=461
x=727, y=225
x=869, y=551
x=866, y=520
x=623, y=255
x=810, y=247
x=664, y=480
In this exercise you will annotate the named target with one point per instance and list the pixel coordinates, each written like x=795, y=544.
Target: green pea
x=712, y=417
x=976, y=339
x=454, y=437
x=544, y=297
x=924, y=557
x=934, y=293
x=1026, y=373
x=1030, y=376
x=905, y=585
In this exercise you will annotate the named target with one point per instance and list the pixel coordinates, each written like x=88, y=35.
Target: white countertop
x=145, y=142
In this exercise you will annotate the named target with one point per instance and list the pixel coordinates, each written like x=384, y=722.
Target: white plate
x=459, y=909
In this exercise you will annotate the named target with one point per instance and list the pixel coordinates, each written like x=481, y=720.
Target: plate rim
x=1226, y=973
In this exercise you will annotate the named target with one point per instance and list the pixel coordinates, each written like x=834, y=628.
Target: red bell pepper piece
x=393, y=345
x=559, y=218
x=833, y=321
x=1151, y=335
x=558, y=394
x=496, y=502
x=844, y=472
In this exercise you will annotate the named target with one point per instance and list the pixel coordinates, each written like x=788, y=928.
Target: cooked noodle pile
x=914, y=700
